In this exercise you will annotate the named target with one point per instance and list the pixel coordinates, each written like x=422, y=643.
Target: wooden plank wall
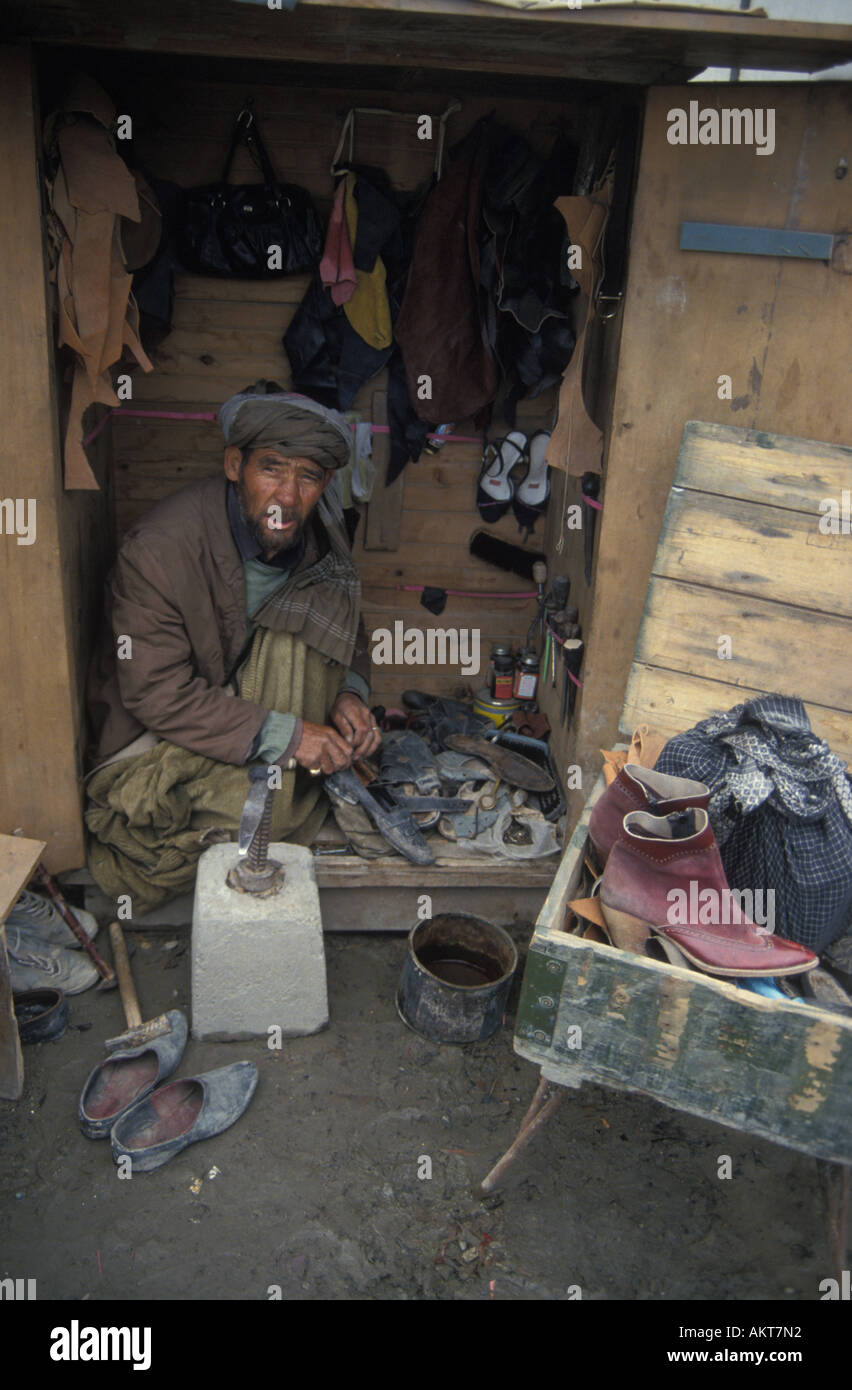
x=227, y=334
x=48, y=588
x=742, y=556
x=780, y=329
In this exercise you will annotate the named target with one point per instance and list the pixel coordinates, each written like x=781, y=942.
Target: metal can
x=498, y=711
x=501, y=649
x=526, y=675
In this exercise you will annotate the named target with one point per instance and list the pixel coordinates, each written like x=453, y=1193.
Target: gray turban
x=295, y=424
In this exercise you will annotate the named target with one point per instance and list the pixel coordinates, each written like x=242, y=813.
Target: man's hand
x=322, y=749
x=352, y=717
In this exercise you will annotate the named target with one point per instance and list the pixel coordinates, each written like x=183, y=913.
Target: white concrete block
x=257, y=963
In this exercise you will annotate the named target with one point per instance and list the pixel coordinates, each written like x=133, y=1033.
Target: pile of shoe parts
x=496, y=817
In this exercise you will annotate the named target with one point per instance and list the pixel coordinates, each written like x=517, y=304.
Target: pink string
x=212, y=417
x=467, y=593
x=561, y=641
x=591, y=502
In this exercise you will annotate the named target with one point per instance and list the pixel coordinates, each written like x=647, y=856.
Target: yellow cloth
x=368, y=310
x=152, y=816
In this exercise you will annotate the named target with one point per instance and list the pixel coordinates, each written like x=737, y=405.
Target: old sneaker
x=32, y=910
x=33, y=964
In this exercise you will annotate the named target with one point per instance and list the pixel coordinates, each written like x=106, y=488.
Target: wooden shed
x=776, y=324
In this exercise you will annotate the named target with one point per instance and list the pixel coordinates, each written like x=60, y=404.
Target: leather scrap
x=576, y=444
x=91, y=193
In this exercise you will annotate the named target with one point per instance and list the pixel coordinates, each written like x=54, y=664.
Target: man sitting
x=232, y=635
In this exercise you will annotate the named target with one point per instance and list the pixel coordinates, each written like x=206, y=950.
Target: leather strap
x=576, y=443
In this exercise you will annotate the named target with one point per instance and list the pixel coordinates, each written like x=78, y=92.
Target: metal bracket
x=756, y=241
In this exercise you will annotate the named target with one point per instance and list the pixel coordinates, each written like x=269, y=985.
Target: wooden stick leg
x=548, y=1097
x=834, y=1182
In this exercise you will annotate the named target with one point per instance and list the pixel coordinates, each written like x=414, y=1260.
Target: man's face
x=276, y=492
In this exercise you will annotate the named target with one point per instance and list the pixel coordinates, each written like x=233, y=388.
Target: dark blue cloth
x=781, y=811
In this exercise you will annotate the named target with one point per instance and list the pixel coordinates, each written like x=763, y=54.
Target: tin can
x=498, y=711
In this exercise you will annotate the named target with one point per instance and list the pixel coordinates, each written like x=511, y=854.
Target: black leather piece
x=42, y=1014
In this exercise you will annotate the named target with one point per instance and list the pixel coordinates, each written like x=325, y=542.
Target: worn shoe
x=38, y=913
x=35, y=965
x=639, y=789
x=182, y=1113
x=126, y=1077
x=665, y=874
x=393, y=821
x=42, y=1014
x=510, y=767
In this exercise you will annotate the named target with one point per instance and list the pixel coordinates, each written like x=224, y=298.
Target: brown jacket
x=177, y=591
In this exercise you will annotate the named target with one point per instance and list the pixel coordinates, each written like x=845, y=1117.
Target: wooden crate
x=695, y=1043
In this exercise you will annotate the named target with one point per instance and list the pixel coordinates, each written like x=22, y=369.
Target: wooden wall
x=49, y=589
x=780, y=329
x=227, y=334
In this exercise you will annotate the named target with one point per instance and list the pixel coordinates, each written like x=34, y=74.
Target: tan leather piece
x=97, y=177
x=96, y=316
x=576, y=443
x=646, y=745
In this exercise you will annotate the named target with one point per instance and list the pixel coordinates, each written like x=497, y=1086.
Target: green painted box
x=590, y=1012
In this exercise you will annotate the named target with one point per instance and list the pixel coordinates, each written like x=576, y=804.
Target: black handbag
x=233, y=230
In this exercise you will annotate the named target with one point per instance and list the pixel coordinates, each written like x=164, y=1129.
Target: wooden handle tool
x=137, y=1032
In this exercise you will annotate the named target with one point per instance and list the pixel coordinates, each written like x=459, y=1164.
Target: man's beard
x=270, y=539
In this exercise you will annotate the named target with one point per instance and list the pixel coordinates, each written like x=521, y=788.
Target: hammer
x=137, y=1031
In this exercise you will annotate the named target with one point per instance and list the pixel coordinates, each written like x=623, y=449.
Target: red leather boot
x=639, y=788
x=664, y=875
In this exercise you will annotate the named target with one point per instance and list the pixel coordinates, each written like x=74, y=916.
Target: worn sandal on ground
x=170, y=1119
x=125, y=1077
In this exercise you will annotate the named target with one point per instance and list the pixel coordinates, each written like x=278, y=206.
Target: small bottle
x=526, y=675
x=504, y=671
x=497, y=649
x=433, y=445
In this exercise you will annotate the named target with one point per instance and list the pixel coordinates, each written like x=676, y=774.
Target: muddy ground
x=316, y=1189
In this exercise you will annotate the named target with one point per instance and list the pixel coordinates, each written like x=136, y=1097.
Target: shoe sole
x=625, y=925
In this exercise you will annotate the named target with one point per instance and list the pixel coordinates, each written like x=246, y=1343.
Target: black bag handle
x=247, y=131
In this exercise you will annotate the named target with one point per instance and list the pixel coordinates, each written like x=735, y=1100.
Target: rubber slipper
x=127, y=1076
x=495, y=488
x=531, y=495
x=171, y=1118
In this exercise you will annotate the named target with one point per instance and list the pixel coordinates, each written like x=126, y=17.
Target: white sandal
x=495, y=490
